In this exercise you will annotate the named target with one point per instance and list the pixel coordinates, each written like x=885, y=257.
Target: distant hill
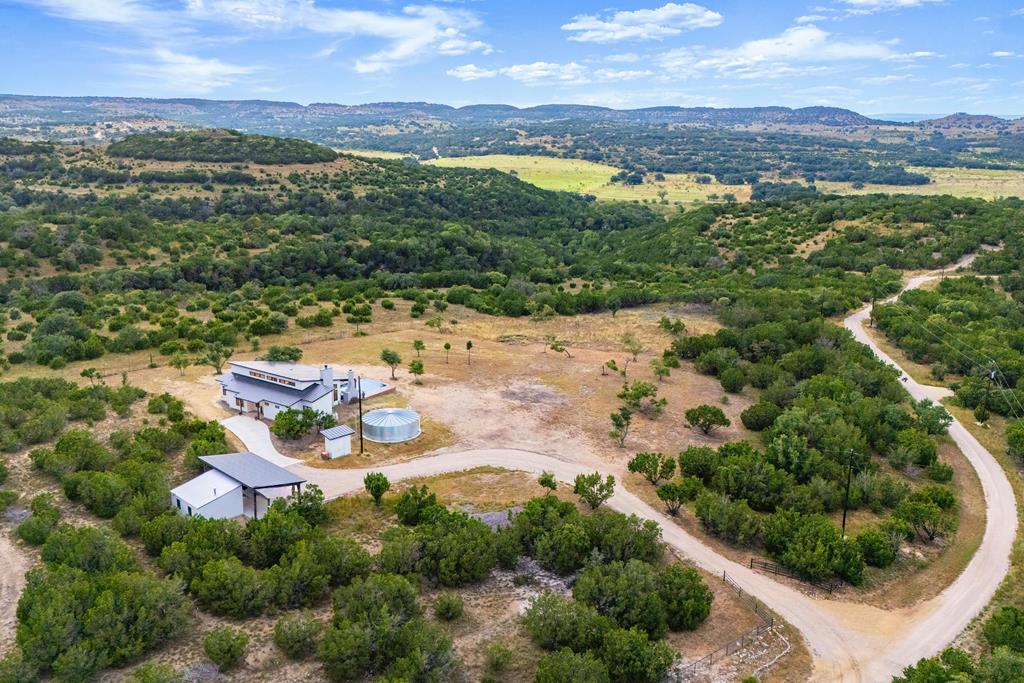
x=243, y=113
x=220, y=145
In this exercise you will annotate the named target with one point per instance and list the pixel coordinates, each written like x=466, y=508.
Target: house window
x=178, y=501
x=189, y=510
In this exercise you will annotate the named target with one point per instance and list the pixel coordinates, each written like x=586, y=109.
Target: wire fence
x=690, y=670
x=779, y=570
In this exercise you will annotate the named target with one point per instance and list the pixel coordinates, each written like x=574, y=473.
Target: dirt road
x=850, y=641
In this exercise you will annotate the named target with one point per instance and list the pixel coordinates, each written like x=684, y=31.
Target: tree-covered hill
x=220, y=145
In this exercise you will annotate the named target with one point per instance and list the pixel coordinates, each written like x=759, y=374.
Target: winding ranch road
x=850, y=641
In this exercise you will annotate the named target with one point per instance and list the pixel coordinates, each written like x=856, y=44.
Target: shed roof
x=337, y=432
x=205, y=488
x=252, y=470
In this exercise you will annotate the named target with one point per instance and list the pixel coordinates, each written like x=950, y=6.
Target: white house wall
x=227, y=506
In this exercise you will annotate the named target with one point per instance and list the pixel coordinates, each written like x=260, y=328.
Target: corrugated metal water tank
x=391, y=425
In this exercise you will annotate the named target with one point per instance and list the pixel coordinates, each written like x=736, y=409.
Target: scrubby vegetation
x=220, y=145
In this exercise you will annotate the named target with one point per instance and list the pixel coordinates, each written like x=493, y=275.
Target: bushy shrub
x=225, y=647
x=760, y=416
x=566, y=666
x=296, y=634
x=448, y=606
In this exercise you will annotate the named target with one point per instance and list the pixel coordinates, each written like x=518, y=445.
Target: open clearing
x=960, y=182
x=588, y=177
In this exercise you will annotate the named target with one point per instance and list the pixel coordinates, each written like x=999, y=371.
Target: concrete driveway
x=255, y=435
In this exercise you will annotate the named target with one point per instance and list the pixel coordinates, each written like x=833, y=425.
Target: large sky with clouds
x=874, y=56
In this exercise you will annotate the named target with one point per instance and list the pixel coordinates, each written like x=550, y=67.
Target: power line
x=1012, y=401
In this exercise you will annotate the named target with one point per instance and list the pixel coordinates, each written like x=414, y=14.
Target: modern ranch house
x=265, y=388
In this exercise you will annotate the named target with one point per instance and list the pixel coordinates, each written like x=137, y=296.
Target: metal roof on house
x=293, y=371
x=337, y=432
x=255, y=390
x=207, y=487
x=252, y=470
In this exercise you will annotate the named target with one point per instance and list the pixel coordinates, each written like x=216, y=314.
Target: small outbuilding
x=236, y=484
x=391, y=425
x=337, y=441
x=211, y=494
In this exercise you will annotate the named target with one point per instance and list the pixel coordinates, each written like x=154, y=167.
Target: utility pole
x=849, y=477
x=359, y=390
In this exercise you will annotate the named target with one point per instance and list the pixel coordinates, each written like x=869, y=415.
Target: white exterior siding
x=338, y=447
x=226, y=506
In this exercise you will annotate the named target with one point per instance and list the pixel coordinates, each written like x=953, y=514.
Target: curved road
x=850, y=641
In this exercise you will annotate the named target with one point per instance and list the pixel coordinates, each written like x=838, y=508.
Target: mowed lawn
x=960, y=182
x=588, y=177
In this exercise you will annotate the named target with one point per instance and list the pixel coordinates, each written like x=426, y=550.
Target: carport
x=259, y=478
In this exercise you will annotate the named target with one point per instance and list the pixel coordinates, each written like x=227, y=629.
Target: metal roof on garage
x=251, y=470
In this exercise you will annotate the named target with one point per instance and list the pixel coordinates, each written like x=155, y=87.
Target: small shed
x=391, y=425
x=212, y=494
x=337, y=441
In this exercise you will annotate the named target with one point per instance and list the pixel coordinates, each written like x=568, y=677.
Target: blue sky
x=874, y=56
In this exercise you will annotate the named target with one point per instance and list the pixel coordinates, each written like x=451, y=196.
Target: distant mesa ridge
x=84, y=109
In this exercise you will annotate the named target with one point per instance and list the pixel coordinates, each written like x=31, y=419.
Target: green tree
x=566, y=666
x=391, y=359
x=632, y=656
x=225, y=647
x=548, y=481
x=687, y=599
x=216, y=355
x=418, y=345
x=706, y=418
x=1005, y=628
x=660, y=370
x=296, y=634
x=469, y=352
x=447, y=350
x=654, y=466
x=179, y=362
x=290, y=354
x=1015, y=438
x=934, y=418
x=416, y=370
x=621, y=422
x=592, y=490
x=627, y=592
x=675, y=493
x=360, y=315
x=376, y=485
x=642, y=397
x=632, y=345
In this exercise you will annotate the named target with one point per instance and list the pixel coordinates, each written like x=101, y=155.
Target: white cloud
x=797, y=50
x=188, y=73
x=414, y=32
x=547, y=73
x=884, y=80
x=621, y=74
x=811, y=18
x=1019, y=12
x=873, y=6
x=644, y=24
x=471, y=72
x=623, y=58
x=124, y=12
x=455, y=47
x=1003, y=54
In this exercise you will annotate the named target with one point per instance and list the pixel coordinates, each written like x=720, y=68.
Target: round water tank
x=391, y=425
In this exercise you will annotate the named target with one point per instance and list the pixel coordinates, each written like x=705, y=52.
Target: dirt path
x=14, y=562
